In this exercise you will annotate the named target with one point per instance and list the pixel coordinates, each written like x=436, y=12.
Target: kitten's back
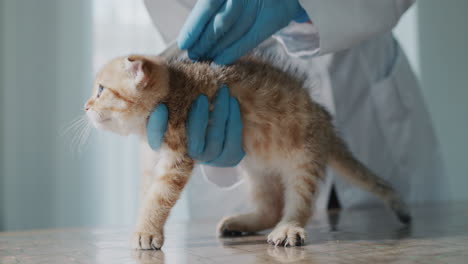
x=279, y=118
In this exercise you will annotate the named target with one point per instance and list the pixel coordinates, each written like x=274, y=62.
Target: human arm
x=225, y=30
x=341, y=24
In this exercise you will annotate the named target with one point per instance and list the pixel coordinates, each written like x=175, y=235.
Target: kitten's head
x=125, y=92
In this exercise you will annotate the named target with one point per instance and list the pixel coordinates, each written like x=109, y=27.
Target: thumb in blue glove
x=156, y=126
x=223, y=31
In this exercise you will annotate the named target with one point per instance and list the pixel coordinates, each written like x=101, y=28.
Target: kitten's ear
x=139, y=69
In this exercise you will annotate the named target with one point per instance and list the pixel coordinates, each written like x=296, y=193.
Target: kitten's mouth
x=101, y=123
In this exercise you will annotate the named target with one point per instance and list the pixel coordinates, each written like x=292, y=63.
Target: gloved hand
x=215, y=143
x=224, y=30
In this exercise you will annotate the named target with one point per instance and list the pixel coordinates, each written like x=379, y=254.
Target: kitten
x=288, y=139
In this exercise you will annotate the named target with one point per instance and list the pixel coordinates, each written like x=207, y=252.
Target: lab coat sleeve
x=342, y=24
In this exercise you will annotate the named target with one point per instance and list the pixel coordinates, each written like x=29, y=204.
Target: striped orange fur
x=288, y=138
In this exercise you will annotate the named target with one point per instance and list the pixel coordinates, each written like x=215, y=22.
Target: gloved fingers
x=202, y=13
x=197, y=123
x=223, y=21
x=256, y=34
x=232, y=152
x=216, y=128
x=245, y=21
x=156, y=126
x=226, y=17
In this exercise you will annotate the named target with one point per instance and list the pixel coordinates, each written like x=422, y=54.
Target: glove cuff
x=301, y=16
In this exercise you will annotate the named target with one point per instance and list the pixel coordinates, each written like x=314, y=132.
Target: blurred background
x=49, y=51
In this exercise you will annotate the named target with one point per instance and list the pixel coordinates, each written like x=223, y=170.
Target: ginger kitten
x=288, y=139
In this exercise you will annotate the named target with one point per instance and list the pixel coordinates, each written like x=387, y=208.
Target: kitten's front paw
x=287, y=235
x=142, y=240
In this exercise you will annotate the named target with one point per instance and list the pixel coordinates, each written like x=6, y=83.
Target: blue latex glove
x=214, y=138
x=224, y=30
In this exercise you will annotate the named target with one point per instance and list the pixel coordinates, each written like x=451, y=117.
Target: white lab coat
x=363, y=78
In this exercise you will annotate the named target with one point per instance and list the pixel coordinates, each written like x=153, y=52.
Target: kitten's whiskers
x=80, y=129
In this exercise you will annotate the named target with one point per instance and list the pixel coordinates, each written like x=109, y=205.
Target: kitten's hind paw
x=404, y=217
x=224, y=228
x=147, y=241
x=230, y=233
x=401, y=211
x=287, y=235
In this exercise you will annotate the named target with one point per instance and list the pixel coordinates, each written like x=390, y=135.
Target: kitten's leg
x=300, y=181
x=148, y=159
x=173, y=172
x=267, y=195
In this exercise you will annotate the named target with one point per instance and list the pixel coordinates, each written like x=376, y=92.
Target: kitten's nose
x=86, y=106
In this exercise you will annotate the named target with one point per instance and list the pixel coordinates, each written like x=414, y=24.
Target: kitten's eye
x=100, y=89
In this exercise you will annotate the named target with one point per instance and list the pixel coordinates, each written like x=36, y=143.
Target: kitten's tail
x=342, y=160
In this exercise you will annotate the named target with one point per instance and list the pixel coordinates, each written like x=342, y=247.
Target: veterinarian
x=362, y=74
